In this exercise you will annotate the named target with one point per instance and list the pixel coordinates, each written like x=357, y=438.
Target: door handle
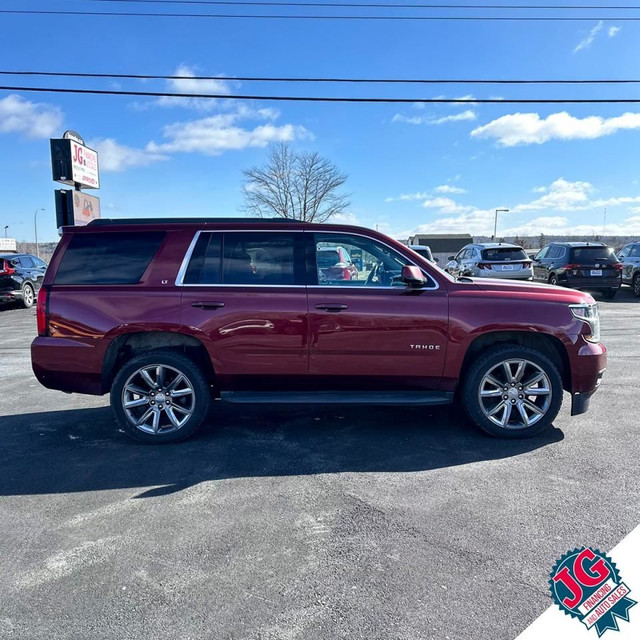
x=331, y=307
x=208, y=305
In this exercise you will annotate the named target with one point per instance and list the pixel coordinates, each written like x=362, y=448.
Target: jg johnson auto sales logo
x=586, y=584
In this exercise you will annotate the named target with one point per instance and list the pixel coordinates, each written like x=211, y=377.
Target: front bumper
x=580, y=401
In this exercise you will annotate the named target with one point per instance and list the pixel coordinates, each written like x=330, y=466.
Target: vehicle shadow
x=81, y=450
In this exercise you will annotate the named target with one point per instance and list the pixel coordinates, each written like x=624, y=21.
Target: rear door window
x=588, y=255
x=500, y=254
x=108, y=258
x=247, y=258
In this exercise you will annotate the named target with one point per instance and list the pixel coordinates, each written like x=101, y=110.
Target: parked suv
x=167, y=315
x=580, y=265
x=21, y=275
x=629, y=256
x=424, y=251
x=491, y=260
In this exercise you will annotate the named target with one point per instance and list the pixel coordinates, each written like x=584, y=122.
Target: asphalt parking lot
x=306, y=522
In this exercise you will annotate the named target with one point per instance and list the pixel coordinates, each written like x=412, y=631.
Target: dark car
x=21, y=275
x=629, y=256
x=167, y=315
x=592, y=266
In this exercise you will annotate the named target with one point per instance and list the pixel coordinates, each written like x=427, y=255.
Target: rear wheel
x=636, y=285
x=609, y=294
x=160, y=397
x=512, y=392
x=28, y=296
x=553, y=279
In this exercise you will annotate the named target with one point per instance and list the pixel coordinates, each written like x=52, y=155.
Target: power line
x=163, y=94
x=246, y=16
x=372, y=5
x=127, y=76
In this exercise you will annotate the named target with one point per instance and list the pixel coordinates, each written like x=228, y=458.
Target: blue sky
x=437, y=169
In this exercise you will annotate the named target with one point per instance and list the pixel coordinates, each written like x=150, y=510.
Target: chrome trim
x=187, y=258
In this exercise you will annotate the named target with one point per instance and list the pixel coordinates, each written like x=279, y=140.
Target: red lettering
x=576, y=590
x=593, y=576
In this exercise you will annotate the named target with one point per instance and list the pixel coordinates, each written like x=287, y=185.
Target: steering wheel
x=373, y=274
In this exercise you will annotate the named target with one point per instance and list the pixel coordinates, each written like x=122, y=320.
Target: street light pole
x=6, y=226
x=495, y=226
x=35, y=226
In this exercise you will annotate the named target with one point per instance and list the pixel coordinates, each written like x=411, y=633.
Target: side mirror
x=450, y=258
x=412, y=276
x=436, y=259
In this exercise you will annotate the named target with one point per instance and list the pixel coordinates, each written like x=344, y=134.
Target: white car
x=491, y=260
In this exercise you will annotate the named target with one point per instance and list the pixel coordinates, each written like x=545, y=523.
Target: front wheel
x=160, y=397
x=512, y=392
x=636, y=285
x=553, y=280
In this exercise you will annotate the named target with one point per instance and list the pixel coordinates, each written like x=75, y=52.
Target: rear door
x=632, y=263
x=373, y=331
x=538, y=264
x=245, y=291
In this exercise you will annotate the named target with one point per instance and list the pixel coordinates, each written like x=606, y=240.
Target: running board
x=402, y=398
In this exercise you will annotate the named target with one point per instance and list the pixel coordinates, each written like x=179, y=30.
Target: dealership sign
x=76, y=208
x=74, y=163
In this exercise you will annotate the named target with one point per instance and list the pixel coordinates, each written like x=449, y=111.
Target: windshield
x=587, y=255
x=498, y=254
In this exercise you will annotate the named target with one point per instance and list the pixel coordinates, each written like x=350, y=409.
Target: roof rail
x=108, y=221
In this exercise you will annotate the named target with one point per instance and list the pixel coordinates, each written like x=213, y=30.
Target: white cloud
x=118, y=157
x=35, y=120
x=529, y=128
x=446, y=205
x=613, y=31
x=587, y=41
x=216, y=134
x=561, y=195
x=447, y=188
x=458, y=117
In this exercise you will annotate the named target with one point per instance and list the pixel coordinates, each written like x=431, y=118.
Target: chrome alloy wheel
x=158, y=399
x=515, y=394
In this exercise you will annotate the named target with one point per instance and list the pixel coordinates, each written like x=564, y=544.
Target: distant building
x=442, y=245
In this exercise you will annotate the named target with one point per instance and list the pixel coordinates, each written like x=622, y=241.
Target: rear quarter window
x=108, y=258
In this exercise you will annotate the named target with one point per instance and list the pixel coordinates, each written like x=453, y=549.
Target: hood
x=529, y=290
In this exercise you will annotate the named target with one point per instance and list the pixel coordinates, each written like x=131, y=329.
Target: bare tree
x=300, y=186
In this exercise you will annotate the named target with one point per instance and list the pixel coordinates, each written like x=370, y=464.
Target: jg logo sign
x=586, y=584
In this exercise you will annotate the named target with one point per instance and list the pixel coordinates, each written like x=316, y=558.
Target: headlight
x=588, y=313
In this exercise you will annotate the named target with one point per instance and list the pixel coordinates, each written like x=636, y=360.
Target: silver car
x=491, y=260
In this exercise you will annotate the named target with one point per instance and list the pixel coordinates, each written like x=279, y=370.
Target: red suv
x=167, y=315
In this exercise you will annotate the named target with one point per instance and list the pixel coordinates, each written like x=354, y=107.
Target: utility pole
x=495, y=226
x=6, y=226
x=35, y=226
x=604, y=223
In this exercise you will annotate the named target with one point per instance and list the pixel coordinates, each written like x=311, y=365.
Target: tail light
x=482, y=265
x=42, y=312
x=6, y=269
x=346, y=274
x=618, y=266
x=574, y=266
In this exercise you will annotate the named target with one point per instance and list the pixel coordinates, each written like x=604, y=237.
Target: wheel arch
x=549, y=345
x=128, y=345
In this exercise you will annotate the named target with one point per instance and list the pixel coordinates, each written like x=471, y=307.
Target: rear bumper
x=10, y=296
x=505, y=275
x=591, y=284
x=67, y=365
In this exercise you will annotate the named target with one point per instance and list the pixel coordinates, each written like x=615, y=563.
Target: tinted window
x=543, y=253
x=328, y=257
x=108, y=258
x=40, y=264
x=555, y=252
x=635, y=251
x=503, y=253
x=247, y=258
x=625, y=251
x=587, y=255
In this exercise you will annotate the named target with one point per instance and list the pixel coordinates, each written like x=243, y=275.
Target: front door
x=368, y=330
x=244, y=296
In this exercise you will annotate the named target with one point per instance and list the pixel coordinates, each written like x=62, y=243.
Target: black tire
x=484, y=364
x=553, y=279
x=28, y=296
x=196, y=402
x=609, y=294
x=636, y=285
